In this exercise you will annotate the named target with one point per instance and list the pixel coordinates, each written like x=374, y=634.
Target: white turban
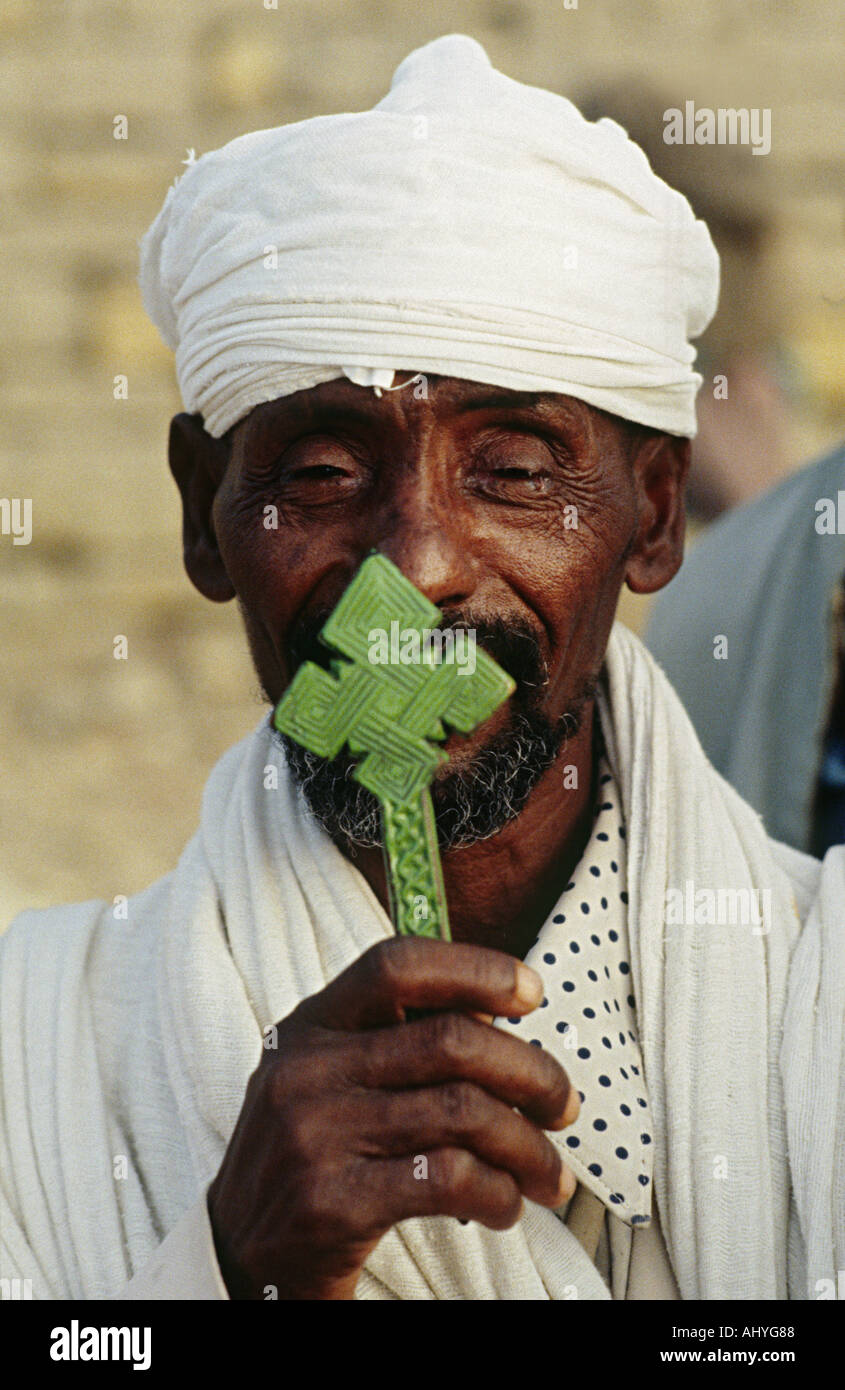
x=467, y=226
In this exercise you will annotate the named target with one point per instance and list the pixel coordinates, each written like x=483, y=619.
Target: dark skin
x=467, y=492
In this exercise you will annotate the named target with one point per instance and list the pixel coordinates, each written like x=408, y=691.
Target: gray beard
x=470, y=805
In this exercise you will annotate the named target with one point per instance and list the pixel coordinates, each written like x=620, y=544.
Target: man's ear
x=660, y=466
x=198, y=464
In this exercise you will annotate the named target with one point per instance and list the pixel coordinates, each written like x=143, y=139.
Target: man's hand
x=323, y=1158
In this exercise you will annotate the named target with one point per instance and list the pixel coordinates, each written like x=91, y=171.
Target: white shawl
x=127, y=1045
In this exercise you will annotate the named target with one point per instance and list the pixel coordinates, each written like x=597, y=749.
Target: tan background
x=103, y=762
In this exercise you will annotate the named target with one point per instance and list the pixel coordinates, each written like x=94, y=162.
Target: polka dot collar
x=587, y=1020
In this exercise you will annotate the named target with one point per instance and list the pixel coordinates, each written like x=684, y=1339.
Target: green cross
x=386, y=709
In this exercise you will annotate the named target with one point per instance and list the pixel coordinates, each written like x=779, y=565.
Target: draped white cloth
x=467, y=226
x=127, y=1045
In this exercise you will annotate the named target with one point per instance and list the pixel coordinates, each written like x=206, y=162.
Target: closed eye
x=514, y=467
x=514, y=472
x=318, y=470
x=514, y=484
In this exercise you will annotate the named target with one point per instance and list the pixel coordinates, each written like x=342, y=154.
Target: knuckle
x=285, y=1075
x=316, y=1206
x=386, y=964
x=456, y=1171
x=496, y=972
x=452, y=1036
x=326, y=1204
x=461, y=1106
x=553, y=1079
x=303, y=1135
x=492, y=973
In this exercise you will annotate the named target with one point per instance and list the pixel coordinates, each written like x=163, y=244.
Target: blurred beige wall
x=103, y=762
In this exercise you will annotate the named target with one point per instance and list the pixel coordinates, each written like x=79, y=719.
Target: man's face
x=516, y=515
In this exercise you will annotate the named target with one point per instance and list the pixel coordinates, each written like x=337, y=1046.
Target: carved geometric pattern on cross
x=387, y=712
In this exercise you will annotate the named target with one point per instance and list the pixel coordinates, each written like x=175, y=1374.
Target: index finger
x=416, y=973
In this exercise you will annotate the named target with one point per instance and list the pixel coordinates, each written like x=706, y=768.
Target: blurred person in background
x=750, y=633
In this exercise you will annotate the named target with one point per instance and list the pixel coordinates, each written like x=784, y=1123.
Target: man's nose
x=428, y=544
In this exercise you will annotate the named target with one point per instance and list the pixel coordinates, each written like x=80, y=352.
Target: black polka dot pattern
x=589, y=1022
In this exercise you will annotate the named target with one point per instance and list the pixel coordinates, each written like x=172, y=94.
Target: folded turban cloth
x=467, y=226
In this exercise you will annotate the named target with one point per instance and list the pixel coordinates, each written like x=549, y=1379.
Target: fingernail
x=529, y=986
x=568, y=1184
x=573, y=1106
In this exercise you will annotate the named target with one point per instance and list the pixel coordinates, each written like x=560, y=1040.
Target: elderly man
x=453, y=330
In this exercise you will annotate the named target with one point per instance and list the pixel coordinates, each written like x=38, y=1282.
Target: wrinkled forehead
x=413, y=399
